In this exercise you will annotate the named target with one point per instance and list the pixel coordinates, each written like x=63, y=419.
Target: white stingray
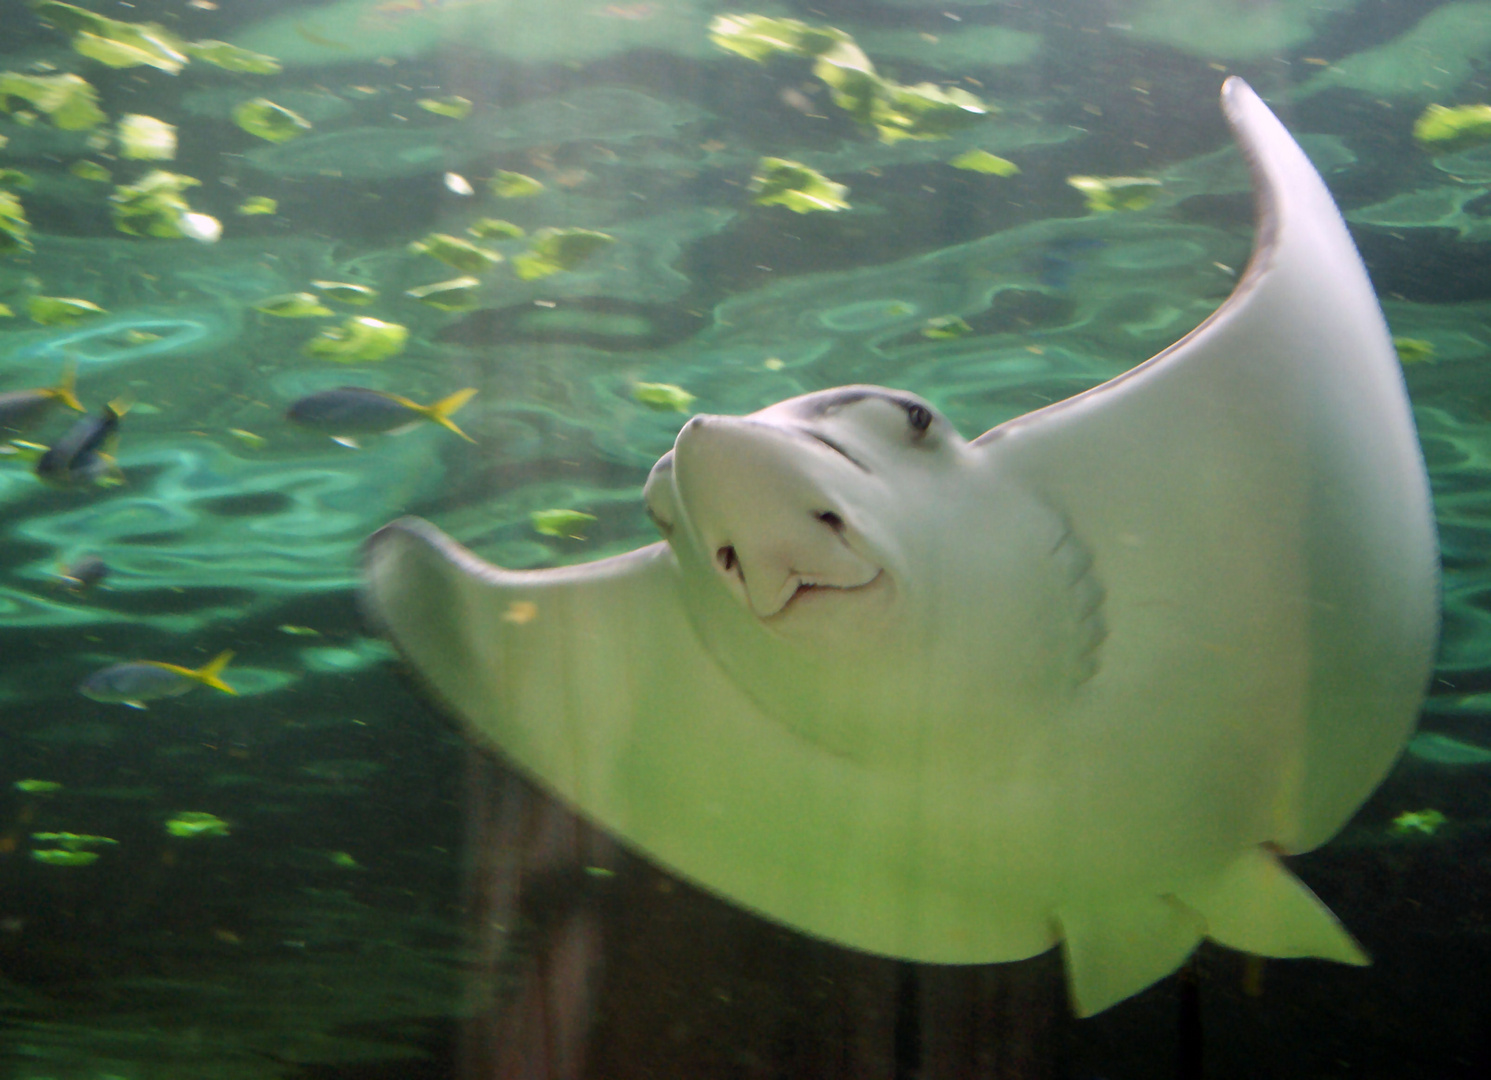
x=1077, y=681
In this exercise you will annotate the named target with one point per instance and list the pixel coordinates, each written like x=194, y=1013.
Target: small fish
x=82, y=574
x=24, y=409
x=140, y=681
x=458, y=184
x=348, y=411
x=83, y=455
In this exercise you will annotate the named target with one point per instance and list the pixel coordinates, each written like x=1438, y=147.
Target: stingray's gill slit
x=836, y=448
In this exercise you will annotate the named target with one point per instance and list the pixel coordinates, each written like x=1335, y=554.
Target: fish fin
x=114, y=477
x=121, y=404
x=348, y=441
x=136, y=705
x=1256, y=905
x=66, y=390
x=440, y=411
x=208, y=673
x=1119, y=949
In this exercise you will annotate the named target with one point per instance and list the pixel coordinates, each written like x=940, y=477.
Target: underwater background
x=566, y=206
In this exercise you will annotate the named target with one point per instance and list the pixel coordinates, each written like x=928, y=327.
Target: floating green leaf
x=69, y=101
x=555, y=250
x=359, y=339
x=14, y=178
x=231, y=57
x=258, y=204
x=779, y=182
x=153, y=206
x=1423, y=822
x=1108, y=193
x=90, y=170
x=924, y=111
x=72, y=841
x=61, y=310
x=851, y=77
x=1414, y=350
x=344, y=292
x=665, y=397
x=758, y=37
x=15, y=230
x=489, y=227
x=5, y=312
x=38, y=787
x=300, y=305
x=194, y=823
x=455, y=107
x=267, y=120
x=1443, y=129
x=462, y=254
x=248, y=438
x=984, y=162
x=567, y=523
x=945, y=328
x=57, y=857
x=458, y=294
x=143, y=50
x=110, y=41
x=144, y=138
x=513, y=185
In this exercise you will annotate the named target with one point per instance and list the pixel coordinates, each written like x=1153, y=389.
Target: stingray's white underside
x=1226, y=569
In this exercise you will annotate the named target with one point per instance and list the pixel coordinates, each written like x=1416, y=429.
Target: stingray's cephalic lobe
x=1077, y=681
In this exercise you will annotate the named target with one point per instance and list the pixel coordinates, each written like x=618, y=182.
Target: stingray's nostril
x=725, y=556
x=832, y=520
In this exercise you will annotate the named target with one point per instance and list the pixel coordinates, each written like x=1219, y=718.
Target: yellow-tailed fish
x=140, y=681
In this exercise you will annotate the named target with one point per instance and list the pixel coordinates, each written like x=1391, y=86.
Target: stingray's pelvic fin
x=1117, y=949
x=1258, y=906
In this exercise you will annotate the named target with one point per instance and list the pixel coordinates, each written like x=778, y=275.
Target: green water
x=387, y=901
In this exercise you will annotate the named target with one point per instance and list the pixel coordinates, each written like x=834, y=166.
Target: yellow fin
x=441, y=410
x=66, y=390
x=207, y=674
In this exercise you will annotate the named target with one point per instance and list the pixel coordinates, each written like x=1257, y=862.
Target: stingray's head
x=795, y=511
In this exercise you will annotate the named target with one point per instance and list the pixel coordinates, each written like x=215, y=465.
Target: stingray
x=1080, y=681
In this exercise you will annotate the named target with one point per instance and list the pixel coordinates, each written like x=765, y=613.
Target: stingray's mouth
x=807, y=593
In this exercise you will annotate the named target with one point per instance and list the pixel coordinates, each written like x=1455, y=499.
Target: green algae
x=271, y=122
x=144, y=138
x=61, y=310
x=985, y=162
x=565, y=523
x=457, y=294
x=69, y=101
x=360, y=339
x=779, y=182
x=553, y=251
x=514, y=185
x=193, y=824
x=454, y=107
x=454, y=251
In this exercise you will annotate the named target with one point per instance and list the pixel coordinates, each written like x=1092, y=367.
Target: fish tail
x=208, y=673
x=66, y=390
x=440, y=411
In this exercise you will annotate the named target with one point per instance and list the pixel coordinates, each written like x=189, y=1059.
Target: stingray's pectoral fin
x=1117, y=950
x=1258, y=906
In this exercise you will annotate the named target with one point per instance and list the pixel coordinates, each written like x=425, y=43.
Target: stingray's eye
x=726, y=558
x=919, y=417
